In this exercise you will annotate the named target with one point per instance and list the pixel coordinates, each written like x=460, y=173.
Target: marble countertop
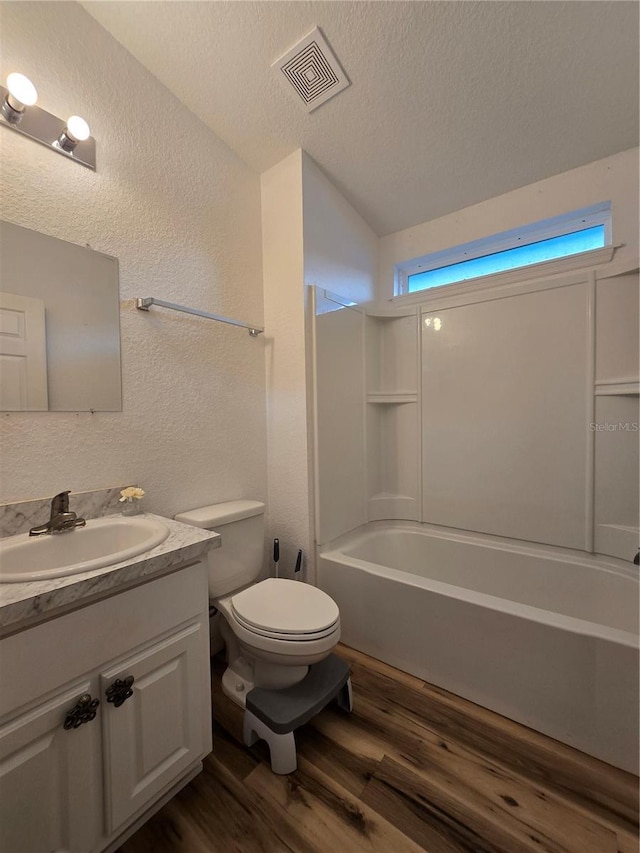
x=24, y=604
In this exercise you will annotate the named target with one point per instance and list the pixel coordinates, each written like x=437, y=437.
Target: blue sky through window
x=520, y=256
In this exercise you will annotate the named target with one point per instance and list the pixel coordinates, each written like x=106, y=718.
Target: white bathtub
x=545, y=636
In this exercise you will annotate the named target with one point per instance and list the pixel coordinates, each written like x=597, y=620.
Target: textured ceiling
x=450, y=103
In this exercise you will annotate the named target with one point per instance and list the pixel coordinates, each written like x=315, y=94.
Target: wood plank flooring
x=412, y=768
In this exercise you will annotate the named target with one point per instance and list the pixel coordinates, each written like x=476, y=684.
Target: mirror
x=59, y=325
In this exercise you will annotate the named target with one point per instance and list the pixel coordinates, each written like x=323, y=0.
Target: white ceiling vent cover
x=311, y=72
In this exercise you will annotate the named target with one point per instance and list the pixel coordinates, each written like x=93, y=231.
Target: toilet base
x=235, y=685
x=244, y=674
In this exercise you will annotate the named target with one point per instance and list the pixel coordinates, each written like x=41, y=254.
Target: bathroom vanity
x=105, y=708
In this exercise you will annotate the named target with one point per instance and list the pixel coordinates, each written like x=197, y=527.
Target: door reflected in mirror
x=59, y=325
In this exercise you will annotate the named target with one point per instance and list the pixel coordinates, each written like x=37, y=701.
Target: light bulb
x=22, y=92
x=77, y=129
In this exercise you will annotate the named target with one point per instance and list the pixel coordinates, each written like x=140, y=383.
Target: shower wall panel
x=507, y=401
x=339, y=417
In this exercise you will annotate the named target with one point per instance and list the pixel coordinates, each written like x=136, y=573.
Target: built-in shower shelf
x=624, y=388
x=386, y=505
x=392, y=392
x=383, y=496
x=392, y=397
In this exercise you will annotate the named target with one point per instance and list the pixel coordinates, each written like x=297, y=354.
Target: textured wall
x=182, y=214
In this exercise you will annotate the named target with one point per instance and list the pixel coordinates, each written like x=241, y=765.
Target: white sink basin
x=103, y=542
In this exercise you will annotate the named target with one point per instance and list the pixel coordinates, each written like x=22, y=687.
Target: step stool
x=273, y=715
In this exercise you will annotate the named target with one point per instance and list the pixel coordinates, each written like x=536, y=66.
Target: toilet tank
x=239, y=560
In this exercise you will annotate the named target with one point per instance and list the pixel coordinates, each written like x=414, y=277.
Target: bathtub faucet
x=60, y=520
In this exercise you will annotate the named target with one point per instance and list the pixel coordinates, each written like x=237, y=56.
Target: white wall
x=289, y=497
x=340, y=255
x=612, y=179
x=182, y=214
x=311, y=235
x=340, y=249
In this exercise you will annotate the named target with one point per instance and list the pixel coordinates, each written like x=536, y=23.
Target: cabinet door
x=50, y=780
x=158, y=732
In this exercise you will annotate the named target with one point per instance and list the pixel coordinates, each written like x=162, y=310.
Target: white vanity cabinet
x=50, y=782
x=157, y=734
x=82, y=789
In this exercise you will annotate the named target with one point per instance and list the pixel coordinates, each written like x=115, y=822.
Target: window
x=582, y=231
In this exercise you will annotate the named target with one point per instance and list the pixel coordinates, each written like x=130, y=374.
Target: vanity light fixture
x=19, y=112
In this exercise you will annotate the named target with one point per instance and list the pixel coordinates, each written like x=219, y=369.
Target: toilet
x=274, y=629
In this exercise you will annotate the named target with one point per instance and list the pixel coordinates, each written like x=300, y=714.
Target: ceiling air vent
x=311, y=72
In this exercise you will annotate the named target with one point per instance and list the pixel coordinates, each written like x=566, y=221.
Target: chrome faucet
x=61, y=519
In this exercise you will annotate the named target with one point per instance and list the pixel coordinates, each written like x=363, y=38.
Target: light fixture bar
x=47, y=129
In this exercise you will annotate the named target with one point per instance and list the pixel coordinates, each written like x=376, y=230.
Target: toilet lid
x=285, y=608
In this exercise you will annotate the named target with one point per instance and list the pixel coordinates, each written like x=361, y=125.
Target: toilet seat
x=261, y=632
x=285, y=610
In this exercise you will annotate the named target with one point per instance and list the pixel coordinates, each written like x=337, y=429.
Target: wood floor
x=412, y=768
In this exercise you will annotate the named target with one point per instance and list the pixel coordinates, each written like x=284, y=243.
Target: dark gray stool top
x=284, y=710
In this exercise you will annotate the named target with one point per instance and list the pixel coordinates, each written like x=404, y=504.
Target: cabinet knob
x=119, y=691
x=83, y=712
